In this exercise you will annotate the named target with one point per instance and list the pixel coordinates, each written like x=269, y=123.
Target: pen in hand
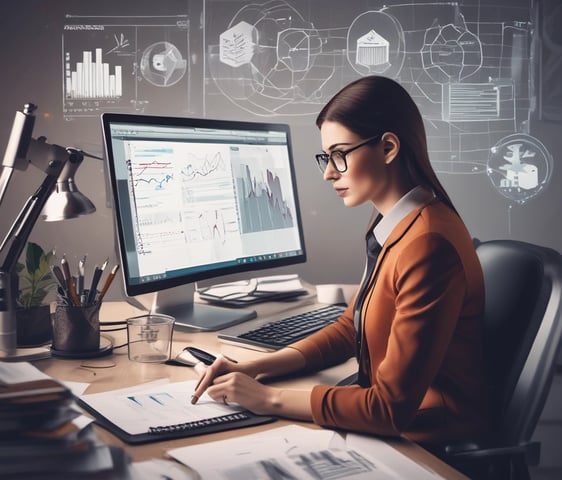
x=205, y=357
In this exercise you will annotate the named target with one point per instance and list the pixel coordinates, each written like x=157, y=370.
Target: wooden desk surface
x=117, y=371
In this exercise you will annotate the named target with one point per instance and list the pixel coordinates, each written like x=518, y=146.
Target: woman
x=415, y=323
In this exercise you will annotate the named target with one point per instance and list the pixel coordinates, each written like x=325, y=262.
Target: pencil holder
x=76, y=329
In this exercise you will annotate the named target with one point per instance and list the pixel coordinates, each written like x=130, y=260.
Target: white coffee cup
x=330, y=294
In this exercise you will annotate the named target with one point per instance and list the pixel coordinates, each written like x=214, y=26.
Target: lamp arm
x=18, y=144
x=51, y=159
x=25, y=223
x=16, y=223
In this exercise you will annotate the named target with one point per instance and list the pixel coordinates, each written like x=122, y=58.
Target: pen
x=70, y=282
x=81, y=269
x=93, y=289
x=95, y=280
x=203, y=356
x=108, y=281
x=61, y=289
x=59, y=277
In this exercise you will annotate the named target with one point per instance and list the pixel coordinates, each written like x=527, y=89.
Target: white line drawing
x=467, y=66
x=386, y=27
x=372, y=50
x=120, y=42
x=519, y=167
x=162, y=64
x=451, y=53
x=237, y=44
x=130, y=64
x=269, y=60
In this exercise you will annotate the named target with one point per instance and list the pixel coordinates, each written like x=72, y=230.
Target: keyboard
x=282, y=332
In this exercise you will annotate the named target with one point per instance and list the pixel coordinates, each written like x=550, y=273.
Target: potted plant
x=35, y=281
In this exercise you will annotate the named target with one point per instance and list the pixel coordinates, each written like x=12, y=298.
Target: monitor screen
x=200, y=198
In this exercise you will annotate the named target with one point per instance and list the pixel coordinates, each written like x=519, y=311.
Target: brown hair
x=374, y=104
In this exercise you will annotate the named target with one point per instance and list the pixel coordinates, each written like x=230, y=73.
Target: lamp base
x=33, y=326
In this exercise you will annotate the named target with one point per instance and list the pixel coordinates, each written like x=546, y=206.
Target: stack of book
x=42, y=433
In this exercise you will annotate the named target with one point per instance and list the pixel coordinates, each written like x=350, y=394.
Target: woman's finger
x=211, y=372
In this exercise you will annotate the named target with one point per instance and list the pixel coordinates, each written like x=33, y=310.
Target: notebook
x=162, y=411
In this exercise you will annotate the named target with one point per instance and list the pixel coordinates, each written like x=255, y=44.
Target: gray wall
x=481, y=73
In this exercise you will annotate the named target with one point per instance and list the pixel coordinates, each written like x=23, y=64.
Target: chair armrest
x=474, y=451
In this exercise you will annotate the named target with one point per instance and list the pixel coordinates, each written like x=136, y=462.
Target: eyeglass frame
x=322, y=159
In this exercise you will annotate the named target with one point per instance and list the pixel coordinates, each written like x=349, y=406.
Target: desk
x=116, y=371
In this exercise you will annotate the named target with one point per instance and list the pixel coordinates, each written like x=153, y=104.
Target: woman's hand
x=220, y=366
x=230, y=382
x=226, y=381
x=239, y=388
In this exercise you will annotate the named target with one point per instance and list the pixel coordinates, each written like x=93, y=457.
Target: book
x=30, y=400
x=33, y=391
x=151, y=413
x=42, y=433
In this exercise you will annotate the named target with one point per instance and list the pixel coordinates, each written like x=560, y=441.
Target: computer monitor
x=196, y=199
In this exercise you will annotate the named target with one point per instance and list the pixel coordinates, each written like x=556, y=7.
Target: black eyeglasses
x=337, y=157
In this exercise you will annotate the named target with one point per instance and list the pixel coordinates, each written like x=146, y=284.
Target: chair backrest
x=523, y=327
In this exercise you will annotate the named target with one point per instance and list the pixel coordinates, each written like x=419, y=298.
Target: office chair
x=523, y=327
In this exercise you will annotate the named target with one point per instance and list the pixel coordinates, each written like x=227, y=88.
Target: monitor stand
x=178, y=302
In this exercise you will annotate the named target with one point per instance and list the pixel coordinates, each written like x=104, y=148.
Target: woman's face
x=367, y=175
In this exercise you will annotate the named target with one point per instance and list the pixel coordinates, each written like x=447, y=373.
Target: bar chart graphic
x=92, y=77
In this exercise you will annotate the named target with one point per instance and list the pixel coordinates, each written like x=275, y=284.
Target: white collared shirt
x=415, y=198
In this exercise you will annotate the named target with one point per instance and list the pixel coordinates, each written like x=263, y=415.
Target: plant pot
x=34, y=326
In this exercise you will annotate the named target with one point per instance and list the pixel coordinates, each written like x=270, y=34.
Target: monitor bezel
x=134, y=289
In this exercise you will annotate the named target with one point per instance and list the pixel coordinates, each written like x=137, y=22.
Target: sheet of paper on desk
x=294, y=452
x=135, y=410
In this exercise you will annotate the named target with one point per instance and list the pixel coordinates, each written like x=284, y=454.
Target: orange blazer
x=422, y=344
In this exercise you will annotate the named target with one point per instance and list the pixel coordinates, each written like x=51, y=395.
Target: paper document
x=136, y=410
x=298, y=452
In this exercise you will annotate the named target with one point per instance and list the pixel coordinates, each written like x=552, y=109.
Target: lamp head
x=67, y=201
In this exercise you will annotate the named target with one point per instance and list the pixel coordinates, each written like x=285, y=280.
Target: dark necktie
x=373, y=250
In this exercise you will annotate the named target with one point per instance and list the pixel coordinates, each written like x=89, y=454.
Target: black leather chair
x=523, y=327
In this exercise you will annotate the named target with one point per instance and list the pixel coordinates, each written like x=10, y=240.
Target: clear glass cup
x=149, y=337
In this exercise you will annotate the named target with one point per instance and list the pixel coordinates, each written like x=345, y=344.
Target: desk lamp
x=59, y=165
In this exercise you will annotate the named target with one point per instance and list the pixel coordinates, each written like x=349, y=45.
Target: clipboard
x=231, y=418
